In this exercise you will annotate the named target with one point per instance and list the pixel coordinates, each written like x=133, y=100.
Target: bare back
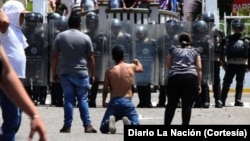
x=120, y=79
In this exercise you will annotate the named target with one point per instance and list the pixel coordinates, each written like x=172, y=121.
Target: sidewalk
x=53, y=118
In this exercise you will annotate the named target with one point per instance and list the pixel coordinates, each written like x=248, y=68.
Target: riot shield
x=37, y=61
x=55, y=87
x=145, y=50
x=99, y=39
x=119, y=34
x=202, y=39
x=164, y=43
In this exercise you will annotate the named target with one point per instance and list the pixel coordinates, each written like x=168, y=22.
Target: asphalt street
x=53, y=118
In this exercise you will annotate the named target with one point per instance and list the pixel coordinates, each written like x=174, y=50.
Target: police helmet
x=116, y=24
x=171, y=26
x=180, y=26
x=62, y=23
x=31, y=17
x=208, y=17
x=238, y=23
x=39, y=17
x=53, y=16
x=91, y=18
x=141, y=32
x=200, y=27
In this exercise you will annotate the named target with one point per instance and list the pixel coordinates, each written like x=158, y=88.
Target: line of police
x=150, y=44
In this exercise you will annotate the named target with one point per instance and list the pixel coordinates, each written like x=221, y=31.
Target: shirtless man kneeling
x=118, y=80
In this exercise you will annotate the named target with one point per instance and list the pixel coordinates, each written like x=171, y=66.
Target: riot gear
x=37, y=65
x=201, y=40
x=39, y=17
x=171, y=27
x=141, y=33
x=236, y=55
x=53, y=30
x=200, y=27
x=31, y=17
x=145, y=51
x=62, y=23
x=238, y=23
x=218, y=43
x=116, y=26
x=208, y=17
x=92, y=21
x=99, y=41
x=53, y=16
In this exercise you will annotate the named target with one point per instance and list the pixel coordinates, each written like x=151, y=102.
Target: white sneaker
x=112, y=128
x=126, y=121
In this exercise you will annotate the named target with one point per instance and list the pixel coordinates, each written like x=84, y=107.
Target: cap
x=13, y=6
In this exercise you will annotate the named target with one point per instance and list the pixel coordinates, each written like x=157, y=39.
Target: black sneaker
x=65, y=130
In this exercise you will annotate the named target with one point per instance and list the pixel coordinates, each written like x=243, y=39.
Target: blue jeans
x=75, y=87
x=12, y=117
x=119, y=107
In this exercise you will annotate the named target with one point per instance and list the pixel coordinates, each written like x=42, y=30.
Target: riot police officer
x=171, y=38
x=99, y=41
x=53, y=30
x=145, y=51
x=235, y=61
x=36, y=83
x=201, y=40
x=218, y=38
x=120, y=35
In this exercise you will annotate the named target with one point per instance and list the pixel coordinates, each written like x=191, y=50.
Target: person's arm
x=199, y=71
x=13, y=87
x=4, y=21
x=96, y=4
x=54, y=62
x=105, y=89
x=66, y=10
x=91, y=62
x=134, y=4
x=169, y=61
x=52, y=5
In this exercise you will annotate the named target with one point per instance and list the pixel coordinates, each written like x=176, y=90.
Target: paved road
x=53, y=117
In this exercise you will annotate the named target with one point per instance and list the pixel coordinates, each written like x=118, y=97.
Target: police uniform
x=236, y=62
x=218, y=38
x=201, y=40
x=99, y=41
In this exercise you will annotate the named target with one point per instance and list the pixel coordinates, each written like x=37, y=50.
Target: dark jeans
x=12, y=116
x=184, y=87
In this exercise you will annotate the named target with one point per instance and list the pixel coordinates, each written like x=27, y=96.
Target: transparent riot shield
x=202, y=39
x=169, y=37
x=100, y=42
x=212, y=57
x=145, y=49
x=119, y=33
x=36, y=81
x=55, y=87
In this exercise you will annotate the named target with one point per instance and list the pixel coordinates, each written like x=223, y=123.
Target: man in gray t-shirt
x=77, y=61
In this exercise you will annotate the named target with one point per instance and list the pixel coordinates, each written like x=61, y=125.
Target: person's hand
x=199, y=90
x=55, y=77
x=37, y=125
x=104, y=105
x=92, y=79
x=135, y=61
